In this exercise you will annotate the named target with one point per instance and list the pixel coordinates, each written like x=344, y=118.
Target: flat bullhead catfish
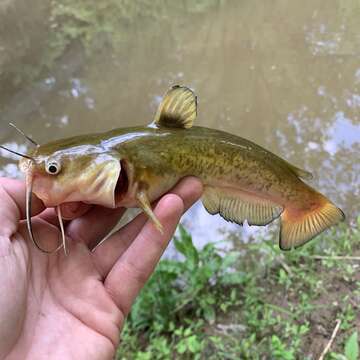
x=131, y=167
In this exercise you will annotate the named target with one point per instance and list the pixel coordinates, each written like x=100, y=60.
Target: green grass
x=253, y=303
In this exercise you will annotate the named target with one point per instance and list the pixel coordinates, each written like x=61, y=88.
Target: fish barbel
x=131, y=167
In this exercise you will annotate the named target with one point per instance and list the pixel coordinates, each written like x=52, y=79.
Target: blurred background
x=285, y=75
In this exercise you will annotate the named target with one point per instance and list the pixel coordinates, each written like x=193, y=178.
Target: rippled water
x=283, y=74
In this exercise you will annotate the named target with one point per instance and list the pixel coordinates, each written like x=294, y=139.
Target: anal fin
x=237, y=206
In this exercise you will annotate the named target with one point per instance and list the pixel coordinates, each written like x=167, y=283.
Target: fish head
x=79, y=173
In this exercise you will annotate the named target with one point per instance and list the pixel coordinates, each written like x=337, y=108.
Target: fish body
x=131, y=167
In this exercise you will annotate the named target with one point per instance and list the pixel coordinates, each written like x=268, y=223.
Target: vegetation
x=252, y=303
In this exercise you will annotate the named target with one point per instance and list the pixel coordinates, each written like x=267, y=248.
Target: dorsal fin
x=177, y=109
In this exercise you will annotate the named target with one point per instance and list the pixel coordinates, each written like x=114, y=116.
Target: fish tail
x=298, y=226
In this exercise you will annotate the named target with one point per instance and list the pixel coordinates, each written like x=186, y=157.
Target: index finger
x=132, y=270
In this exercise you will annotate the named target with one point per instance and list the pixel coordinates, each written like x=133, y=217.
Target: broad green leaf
x=352, y=347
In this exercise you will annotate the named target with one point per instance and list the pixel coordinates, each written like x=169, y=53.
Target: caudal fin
x=298, y=227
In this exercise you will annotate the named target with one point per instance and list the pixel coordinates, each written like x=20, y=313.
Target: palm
x=69, y=303
x=73, y=306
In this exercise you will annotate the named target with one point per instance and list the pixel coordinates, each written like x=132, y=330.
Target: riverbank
x=253, y=303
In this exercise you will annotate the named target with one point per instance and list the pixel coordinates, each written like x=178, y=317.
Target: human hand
x=73, y=307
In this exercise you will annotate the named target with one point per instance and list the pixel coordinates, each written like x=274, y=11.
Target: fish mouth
x=122, y=184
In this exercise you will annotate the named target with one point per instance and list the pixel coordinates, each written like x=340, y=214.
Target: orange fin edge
x=298, y=230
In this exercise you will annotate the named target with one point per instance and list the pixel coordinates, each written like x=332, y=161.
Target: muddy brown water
x=285, y=75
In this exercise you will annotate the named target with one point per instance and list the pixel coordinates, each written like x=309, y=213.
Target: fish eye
x=53, y=167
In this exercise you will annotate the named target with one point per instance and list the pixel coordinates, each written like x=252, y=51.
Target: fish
x=134, y=166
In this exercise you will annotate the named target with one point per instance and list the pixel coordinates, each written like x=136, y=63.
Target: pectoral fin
x=237, y=206
x=177, y=109
x=144, y=204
